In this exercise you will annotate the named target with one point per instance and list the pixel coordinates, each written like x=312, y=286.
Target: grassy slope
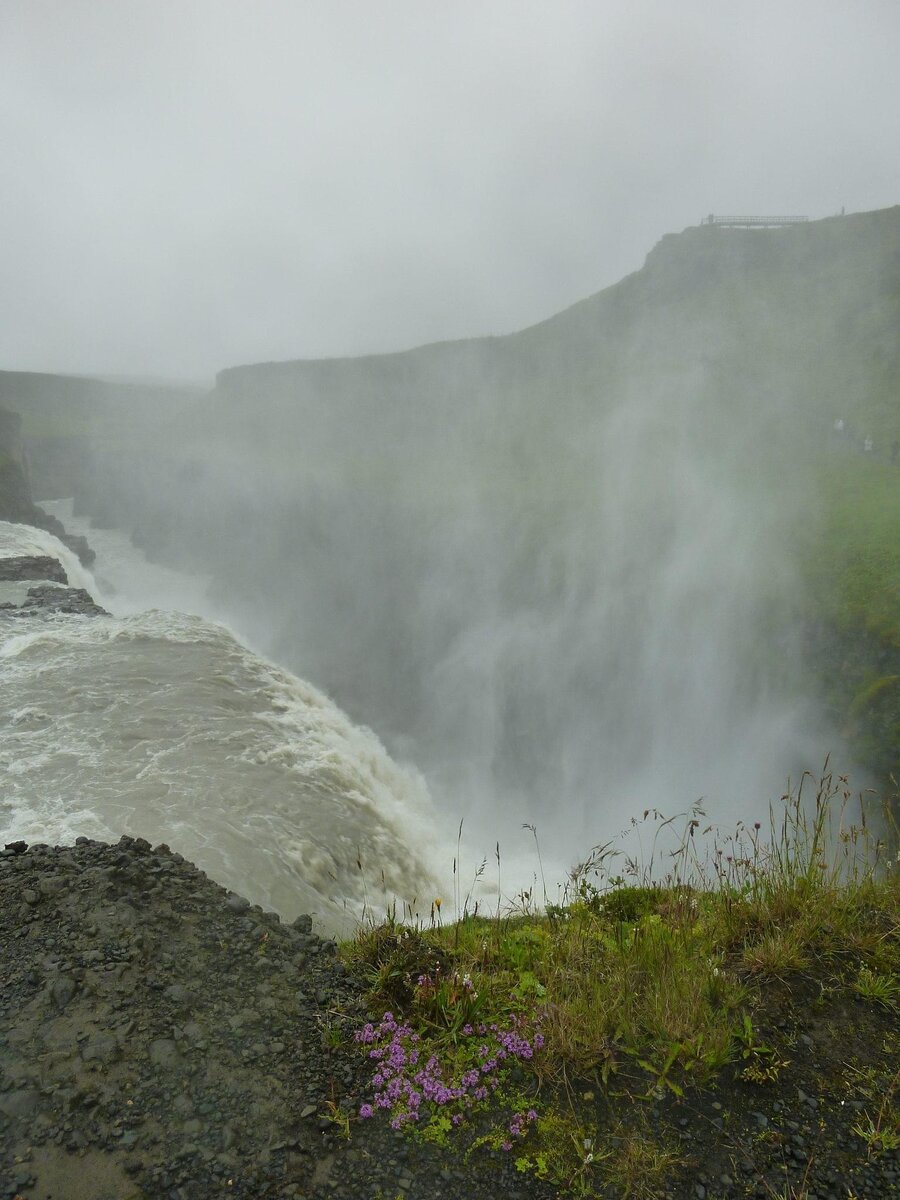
x=595, y=1043
x=853, y=573
x=857, y=569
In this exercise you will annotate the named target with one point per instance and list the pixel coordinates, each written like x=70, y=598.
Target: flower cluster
x=406, y=1086
x=518, y=1127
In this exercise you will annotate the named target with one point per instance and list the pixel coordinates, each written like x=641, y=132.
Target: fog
x=189, y=184
x=556, y=571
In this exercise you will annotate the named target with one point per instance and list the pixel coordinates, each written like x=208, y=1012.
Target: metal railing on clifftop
x=751, y=222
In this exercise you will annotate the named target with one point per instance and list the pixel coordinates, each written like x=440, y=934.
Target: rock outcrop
x=50, y=592
x=16, y=501
x=32, y=566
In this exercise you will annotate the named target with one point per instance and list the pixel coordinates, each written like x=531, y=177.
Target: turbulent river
x=647, y=679
x=161, y=724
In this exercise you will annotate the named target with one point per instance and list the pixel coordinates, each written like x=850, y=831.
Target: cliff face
x=15, y=493
x=67, y=422
x=16, y=501
x=809, y=311
x=503, y=484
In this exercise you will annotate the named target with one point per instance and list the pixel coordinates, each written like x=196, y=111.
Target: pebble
x=62, y=989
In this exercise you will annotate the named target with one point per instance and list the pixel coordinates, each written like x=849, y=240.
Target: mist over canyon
x=569, y=574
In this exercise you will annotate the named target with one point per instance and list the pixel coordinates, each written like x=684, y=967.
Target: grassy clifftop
x=724, y=1027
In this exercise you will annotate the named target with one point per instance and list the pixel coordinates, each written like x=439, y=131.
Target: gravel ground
x=160, y=1038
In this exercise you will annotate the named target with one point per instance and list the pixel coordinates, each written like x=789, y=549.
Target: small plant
x=523, y=948
x=392, y=957
x=777, y=954
x=661, y=1079
x=451, y=1001
x=763, y=1063
x=881, y=988
x=877, y=1136
x=797, y=1191
x=765, y=1070
x=561, y=1151
x=628, y=904
x=881, y=1133
x=637, y=1163
x=330, y=1027
x=745, y=1036
x=339, y=1117
x=512, y=1132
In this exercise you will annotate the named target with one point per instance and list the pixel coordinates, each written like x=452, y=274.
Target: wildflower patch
x=455, y=1086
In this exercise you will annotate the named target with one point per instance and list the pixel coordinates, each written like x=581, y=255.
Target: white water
x=25, y=540
x=566, y=603
x=166, y=725
x=126, y=583
x=163, y=725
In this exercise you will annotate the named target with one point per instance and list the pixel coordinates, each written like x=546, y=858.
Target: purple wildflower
x=404, y=1086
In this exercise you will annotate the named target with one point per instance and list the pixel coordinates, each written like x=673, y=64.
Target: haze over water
x=556, y=573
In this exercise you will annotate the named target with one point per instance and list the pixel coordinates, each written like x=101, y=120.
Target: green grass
x=854, y=561
x=644, y=987
x=850, y=563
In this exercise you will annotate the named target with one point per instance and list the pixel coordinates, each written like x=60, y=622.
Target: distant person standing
x=867, y=445
x=839, y=426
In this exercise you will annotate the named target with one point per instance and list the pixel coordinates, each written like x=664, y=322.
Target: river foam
x=163, y=725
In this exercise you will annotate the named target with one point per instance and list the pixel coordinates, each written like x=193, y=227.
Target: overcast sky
x=189, y=184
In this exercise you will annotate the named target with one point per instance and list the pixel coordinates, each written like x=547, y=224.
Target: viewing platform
x=751, y=222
